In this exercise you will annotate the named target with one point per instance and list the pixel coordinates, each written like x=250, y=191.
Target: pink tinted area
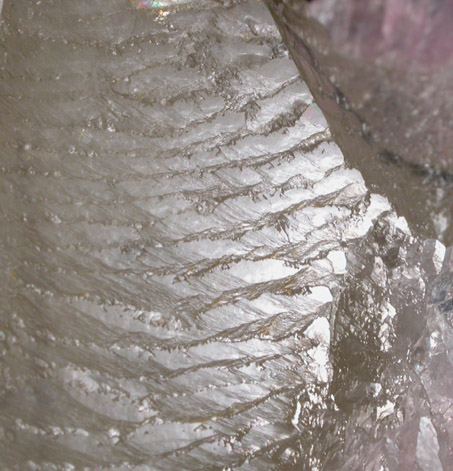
x=403, y=31
x=422, y=30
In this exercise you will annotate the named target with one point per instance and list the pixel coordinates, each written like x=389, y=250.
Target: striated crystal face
x=193, y=275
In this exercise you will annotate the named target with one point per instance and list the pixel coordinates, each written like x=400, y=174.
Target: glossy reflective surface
x=192, y=278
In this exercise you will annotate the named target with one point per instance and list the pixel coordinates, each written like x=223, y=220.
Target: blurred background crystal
x=382, y=73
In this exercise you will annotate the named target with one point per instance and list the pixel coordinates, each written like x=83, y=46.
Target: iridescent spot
x=150, y=4
x=160, y=5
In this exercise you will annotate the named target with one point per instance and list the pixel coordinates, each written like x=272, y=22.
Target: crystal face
x=193, y=274
x=381, y=71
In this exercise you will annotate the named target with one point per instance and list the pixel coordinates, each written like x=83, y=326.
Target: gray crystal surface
x=192, y=276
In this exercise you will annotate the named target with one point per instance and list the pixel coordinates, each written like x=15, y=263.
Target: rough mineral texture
x=191, y=276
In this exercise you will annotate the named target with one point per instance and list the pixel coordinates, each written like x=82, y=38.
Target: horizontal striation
x=175, y=222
